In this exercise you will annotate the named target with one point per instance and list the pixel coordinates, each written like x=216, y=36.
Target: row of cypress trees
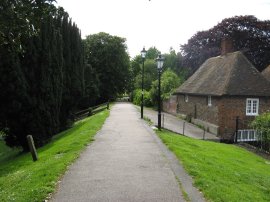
x=44, y=77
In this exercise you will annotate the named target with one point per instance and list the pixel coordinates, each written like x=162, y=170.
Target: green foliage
x=19, y=20
x=21, y=179
x=109, y=58
x=152, y=53
x=222, y=172
x=174, y=62
x=137, y=97
x=73, y=72
x=91, y=83
x=136, y=63
x=43, y=71
x=150, y=74
x=248, y=33
x=135, y=69
x=262, y=124
x=169, y=82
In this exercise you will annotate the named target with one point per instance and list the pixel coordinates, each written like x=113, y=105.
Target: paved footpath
x=176, y=124
x=126, y=162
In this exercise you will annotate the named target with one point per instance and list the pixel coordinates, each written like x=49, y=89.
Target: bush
x=169, y=82
x=262, y=124
x=137, y=96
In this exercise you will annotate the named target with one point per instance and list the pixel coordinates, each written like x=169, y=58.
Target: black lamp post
x=143, y=54
x=160, y=61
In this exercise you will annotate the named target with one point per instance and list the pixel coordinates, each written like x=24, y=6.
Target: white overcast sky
x=159, y=23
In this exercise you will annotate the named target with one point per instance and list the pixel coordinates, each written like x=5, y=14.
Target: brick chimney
x=226, y=46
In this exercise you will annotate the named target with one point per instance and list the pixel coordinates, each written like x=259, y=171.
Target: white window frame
x=186, y=98
x=209, y=101
x=252, y=106
x=248, y=135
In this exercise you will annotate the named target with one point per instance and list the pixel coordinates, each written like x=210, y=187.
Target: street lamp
x=143, y=54
x=159, y=61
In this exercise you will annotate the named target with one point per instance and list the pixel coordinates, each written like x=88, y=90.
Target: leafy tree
x=170, y=60
x=152, y=53
x=91, y=91
x=20, y=19
x=250, y=35
x=150, y=74
x=109, y=58
x=169, y=81
x=174, y=61
x=135, y=70
x=150, y=71
x=136, y=63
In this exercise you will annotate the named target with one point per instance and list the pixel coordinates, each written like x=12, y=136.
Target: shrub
x=262, y=124
x=137, y=96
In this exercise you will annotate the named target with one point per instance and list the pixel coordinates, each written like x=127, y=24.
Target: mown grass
x=21, y=179
x=222, y=172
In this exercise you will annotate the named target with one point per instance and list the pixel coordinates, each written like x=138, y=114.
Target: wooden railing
x=90, y=111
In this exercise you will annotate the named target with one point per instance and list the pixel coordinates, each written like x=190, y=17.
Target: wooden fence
x=90, y=111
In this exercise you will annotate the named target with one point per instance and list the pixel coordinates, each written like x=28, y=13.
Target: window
x=186, y=98
x=252, y=107
x=248, y=135
x=209, y=101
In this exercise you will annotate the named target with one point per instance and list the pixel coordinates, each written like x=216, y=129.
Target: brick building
x=223, y=88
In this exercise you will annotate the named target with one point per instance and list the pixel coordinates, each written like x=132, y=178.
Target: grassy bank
x=21, y=179
x=222, y=172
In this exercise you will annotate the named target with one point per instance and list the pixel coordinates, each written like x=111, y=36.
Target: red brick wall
x=223, y=111
x=197, y=107
x=230, y=108
x=170, y=105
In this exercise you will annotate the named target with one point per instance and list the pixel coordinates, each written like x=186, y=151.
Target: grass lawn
x=222, y=172
x=21, y=179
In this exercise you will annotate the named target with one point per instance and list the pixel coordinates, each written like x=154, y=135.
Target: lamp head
x=143, y=53
x=160, y=61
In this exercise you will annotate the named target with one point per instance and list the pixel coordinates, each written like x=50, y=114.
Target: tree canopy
x=249, y=35
x=43, y=71
x=108, y=56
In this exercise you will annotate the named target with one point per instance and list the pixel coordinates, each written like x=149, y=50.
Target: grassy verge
x=222, y=172
x=21, y=179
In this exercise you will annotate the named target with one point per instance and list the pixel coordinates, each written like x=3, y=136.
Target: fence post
x=32, y=147
x=195, y=111
x=163, y=120
x=203, y=133
x=236, y=128
x=184, y=123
